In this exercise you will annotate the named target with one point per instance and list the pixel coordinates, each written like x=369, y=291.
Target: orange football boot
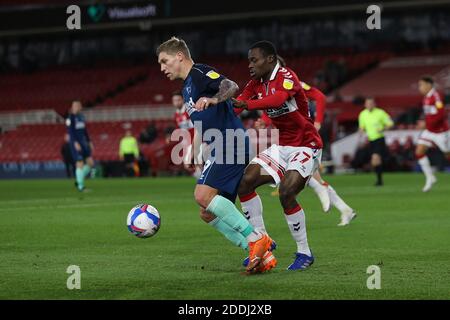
x=257, y=250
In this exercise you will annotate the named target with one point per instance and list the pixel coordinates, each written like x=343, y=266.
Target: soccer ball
x=143, y=221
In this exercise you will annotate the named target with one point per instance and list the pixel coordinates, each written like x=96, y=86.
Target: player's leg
x=267, y=167
x=320, y=187
x=77, y=157
x=89, y=164
x=424, y=162
x=231, y=234
x=208, y=198
x=291, y=185
x=347, y=213
x=79, y=175
x=254, y=176
x=377, y=165
x=301, y=164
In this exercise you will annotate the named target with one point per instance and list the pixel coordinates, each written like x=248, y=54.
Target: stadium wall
x=32, y=169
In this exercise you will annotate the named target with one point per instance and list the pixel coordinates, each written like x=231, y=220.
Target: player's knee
x=245, y=186
x=420, y=151
x=90, y=162
x=287, y=196
x=376, y=160
x=202, y=198
x=206, y=216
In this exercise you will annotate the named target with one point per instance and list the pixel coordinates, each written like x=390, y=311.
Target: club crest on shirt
x=288, y=84
x=213, y=75
x=439, y=104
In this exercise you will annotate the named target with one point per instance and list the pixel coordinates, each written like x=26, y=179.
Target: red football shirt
x=183, y=121
x=317, y=96
x=435, y=114
x=291, y=117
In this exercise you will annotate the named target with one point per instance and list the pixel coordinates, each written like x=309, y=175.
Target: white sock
x=426, y=167
x=315, y=185
x=337, y=201
x=253, y=209
x=296, y=221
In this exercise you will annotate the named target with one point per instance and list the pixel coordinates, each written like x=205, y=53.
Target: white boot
x=429, y=183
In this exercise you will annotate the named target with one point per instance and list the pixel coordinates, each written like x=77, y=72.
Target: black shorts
x=128, y=158
x=378, y=146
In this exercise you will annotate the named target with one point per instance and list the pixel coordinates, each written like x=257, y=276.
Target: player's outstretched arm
x=275, y=100
x=227, y=90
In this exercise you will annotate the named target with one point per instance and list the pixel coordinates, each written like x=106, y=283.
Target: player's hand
x=317, y=125
x=260, y=124
x=203, y=103
x=91, y=145
x=239, y=103
x=77, y=146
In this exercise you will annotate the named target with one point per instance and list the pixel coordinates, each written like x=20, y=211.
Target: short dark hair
x=267, y=48
x=428, y=79
x=177, y=93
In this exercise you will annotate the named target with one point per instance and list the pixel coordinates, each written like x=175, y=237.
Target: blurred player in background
x=183, y=121
x=66, y=154
x=290, y=163
x=80, y=144
x=436, y=131
x=326, y=193
x=374, y=121
x=216, y=189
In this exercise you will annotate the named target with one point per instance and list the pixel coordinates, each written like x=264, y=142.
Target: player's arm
x=263, y=122
x=276, y=100
x=136, y=149
x=361, y=124
x=121, y=151
x=196, y=148
x=387, y=121
x=284, y=90
x=247, y=94
x=226, y=90
x=320, y=99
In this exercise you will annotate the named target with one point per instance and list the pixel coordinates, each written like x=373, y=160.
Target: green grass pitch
x=46, y=225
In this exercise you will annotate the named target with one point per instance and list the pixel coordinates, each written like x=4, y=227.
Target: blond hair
x=173, y=46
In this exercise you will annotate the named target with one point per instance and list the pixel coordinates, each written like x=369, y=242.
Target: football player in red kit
x=183, y=121
x=326, y=193
x=290, y=163
x=436, y=131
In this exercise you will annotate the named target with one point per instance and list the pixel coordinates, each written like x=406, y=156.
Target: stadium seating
x=113, y=84
x=157, y=89
x=395, y=80
x=55, y=88
x=43, y=142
